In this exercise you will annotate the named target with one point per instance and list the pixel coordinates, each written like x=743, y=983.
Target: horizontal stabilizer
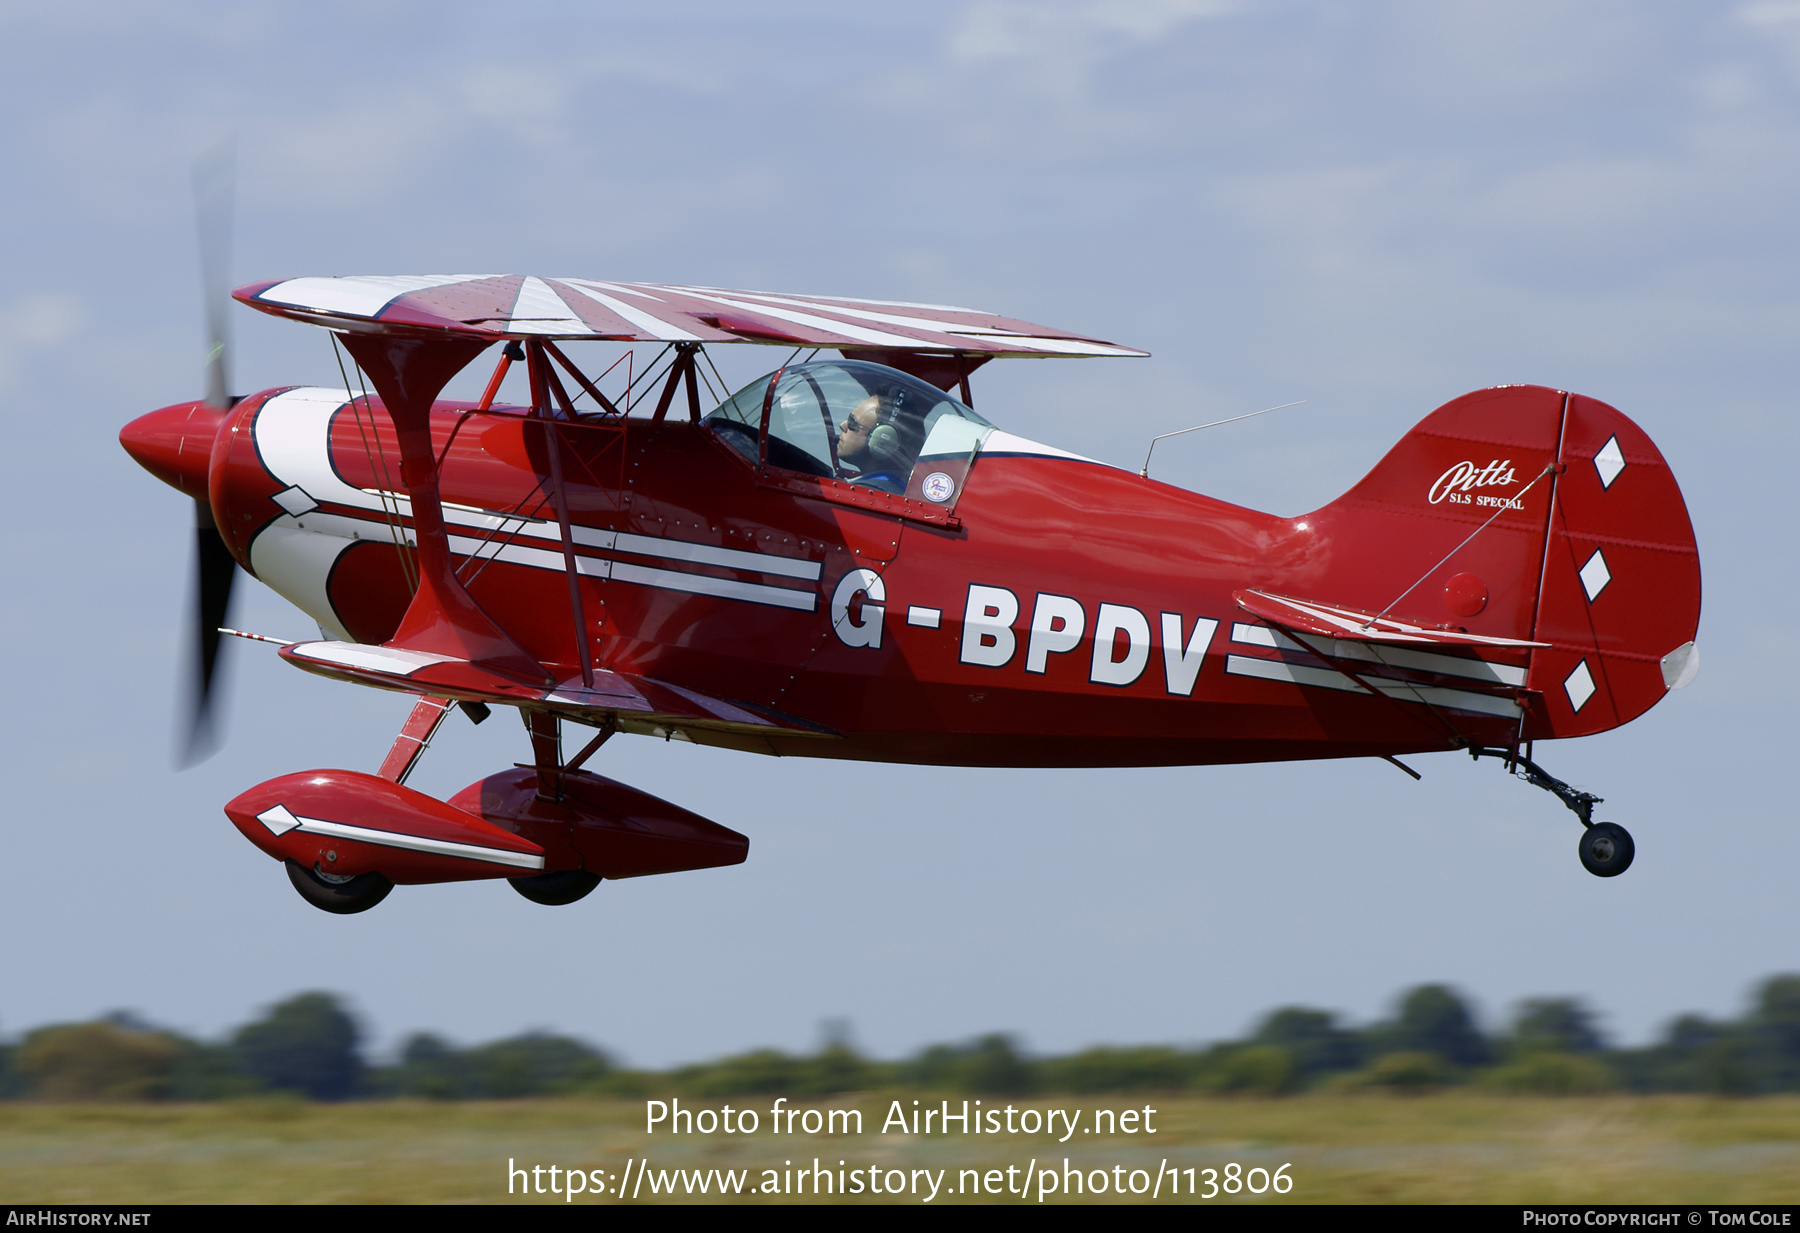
x=1331, y=622
x=633, y=703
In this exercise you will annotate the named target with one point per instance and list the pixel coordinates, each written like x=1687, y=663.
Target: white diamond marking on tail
x=1580, y=685
x=1609, y=462
x=1595, y=576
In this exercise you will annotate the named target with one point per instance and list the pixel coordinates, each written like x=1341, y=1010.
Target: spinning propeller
x=215, y=173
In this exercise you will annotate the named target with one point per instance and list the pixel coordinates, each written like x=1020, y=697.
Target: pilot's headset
x=884, y=438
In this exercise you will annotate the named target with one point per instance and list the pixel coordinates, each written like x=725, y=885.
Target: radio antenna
x=1145, y=473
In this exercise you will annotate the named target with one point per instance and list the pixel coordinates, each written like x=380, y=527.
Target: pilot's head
x=853, y=433
x=866, y=440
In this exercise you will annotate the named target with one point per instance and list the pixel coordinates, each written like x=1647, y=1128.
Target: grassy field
x=1451, y=1147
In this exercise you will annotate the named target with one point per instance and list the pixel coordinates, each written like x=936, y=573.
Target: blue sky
x=1372, y=206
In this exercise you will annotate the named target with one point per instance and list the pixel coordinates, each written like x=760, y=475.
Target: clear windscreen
x=862, y=423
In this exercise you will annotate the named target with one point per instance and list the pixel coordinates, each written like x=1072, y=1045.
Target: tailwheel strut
x=1606, y=849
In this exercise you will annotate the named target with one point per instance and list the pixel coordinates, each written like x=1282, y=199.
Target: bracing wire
x=390, y=514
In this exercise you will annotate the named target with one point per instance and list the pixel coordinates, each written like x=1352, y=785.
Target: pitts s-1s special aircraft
x=845, y=560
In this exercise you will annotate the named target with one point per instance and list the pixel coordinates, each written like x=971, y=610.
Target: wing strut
x=427, y=713
x=443, y=619
x=606, y=404
x=543, y=380
x=546, y=753
x=683, y=366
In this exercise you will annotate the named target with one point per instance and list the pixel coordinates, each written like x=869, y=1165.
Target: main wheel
x=555, y=889
x=330, y=892
x=1606, y=849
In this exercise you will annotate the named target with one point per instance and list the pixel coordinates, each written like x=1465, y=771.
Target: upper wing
x=522, y=306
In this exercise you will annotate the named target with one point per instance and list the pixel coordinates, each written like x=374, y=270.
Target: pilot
x=868, y=442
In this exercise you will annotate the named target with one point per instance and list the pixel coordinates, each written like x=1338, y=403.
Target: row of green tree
x=310, y=1046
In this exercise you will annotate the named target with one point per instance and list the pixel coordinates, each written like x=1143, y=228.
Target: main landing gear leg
x=562, y=886
x=1606, y=848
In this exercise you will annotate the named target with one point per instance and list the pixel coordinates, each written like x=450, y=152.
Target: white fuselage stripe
x=1328, y=678
x=701, y=554
x=1384, y=655
x=701, y=584
x=1420, y=661
x=293, y=438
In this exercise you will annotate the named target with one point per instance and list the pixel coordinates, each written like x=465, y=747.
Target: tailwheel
x=555, y=889
x=1606, y=849
x=331, y=892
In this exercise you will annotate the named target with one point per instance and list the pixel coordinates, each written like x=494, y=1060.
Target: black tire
x=1606, y=849
x=357, y=894
x=553, y=890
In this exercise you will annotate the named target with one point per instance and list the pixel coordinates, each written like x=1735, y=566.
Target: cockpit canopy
x=861, y=423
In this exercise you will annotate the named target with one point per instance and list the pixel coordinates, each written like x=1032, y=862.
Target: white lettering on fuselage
x=1057, y=623
x=1116, y=620
x=987, y=636
x=864, y=628
x=1122, y=638
x=1181, y=668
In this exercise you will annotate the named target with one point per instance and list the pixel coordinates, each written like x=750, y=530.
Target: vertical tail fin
x=1524, y=512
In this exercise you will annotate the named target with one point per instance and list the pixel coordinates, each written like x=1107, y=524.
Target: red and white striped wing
x=523, y=306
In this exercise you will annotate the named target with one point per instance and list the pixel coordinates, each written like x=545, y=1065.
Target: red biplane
x=845, y=560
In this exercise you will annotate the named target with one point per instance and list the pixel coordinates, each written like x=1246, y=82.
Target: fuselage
x=1062, y=612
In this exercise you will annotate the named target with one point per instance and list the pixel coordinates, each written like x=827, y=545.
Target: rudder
x=1620, y=597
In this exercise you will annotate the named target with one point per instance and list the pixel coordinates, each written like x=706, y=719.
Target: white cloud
x=1006, y=29
x=41, y=320
x=1772, y=14
x=35, y=323
x=1777, y=21
x=1058, y=42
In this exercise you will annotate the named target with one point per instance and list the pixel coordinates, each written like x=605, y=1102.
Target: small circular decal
x=938, y=487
